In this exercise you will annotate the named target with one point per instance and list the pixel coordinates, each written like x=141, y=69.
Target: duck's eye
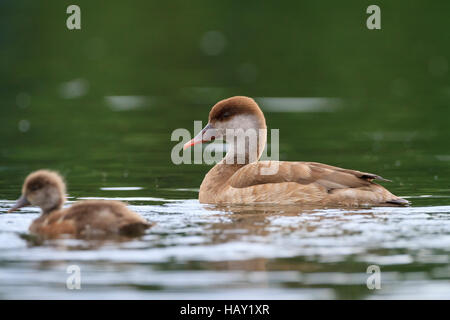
x=226, y=114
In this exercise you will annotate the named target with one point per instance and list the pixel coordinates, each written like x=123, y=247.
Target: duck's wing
x=330, y=177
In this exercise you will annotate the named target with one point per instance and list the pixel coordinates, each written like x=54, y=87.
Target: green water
x=59, y=110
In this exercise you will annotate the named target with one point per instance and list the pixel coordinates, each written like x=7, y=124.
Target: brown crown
x=228, y=108
x=43, y=178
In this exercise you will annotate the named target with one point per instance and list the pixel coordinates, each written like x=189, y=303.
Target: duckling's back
x=92, y=219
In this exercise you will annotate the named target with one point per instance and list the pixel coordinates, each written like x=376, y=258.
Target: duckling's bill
x=20, y=203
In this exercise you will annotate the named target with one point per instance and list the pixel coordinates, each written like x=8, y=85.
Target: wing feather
x=305, y=173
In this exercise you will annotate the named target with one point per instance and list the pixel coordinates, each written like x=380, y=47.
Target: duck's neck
x=245, y=147
x=46, y=212
x=242, y=150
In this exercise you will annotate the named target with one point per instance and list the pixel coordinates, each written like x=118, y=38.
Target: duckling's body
x=90, y=219
x=84, y=219
x=241, y=179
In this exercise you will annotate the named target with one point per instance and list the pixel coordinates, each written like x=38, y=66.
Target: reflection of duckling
x=85, y=219
x=241, y=179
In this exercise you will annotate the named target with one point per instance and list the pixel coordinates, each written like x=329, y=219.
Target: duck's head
x=227, y=117
x=44, y=189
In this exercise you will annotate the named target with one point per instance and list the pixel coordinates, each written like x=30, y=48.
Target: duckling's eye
x=35, y=186
x=226, y=114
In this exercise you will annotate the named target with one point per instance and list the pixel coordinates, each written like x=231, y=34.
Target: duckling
x=84, y=219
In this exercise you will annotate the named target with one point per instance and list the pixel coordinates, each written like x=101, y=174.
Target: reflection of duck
x=240, y=178
x=94, y=218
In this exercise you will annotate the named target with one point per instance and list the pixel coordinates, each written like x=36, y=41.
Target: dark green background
x=394, y=83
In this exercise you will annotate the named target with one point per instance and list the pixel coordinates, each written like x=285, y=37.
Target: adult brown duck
x=84, y=219
x=241, y=179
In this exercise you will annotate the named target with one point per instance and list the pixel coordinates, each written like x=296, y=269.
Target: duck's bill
x=20, y=203
x=208, y=133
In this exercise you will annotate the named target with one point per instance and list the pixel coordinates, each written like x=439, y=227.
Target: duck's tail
x=399, y=202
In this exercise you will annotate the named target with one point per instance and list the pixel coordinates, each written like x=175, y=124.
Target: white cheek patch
x=243, y=121
x=244, y=137
x=47, y=198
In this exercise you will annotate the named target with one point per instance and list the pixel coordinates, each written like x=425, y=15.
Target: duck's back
x=282, y=182
x=91, y=219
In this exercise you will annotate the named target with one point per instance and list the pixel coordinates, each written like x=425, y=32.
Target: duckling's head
x=43, y=188
x=230, y=114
